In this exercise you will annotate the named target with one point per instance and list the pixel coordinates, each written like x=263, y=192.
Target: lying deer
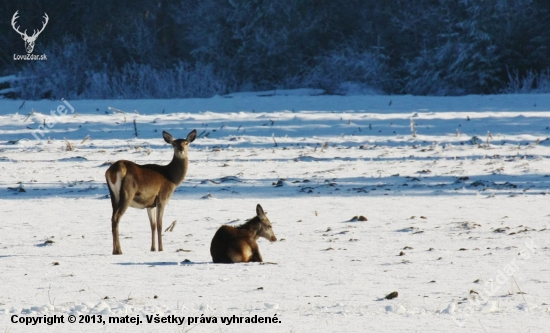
x=238, y=244
x=147, y=186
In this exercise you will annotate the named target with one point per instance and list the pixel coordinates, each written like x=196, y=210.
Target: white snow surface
x=453, y=189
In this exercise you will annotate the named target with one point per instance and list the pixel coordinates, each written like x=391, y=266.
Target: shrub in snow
x=531, y=82
x=348, y=71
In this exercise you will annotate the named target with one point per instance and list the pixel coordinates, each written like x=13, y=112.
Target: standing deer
x=147, y=186
x=29, y=40
x=238, y=244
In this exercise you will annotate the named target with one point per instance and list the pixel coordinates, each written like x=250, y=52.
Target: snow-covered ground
x=454, y=190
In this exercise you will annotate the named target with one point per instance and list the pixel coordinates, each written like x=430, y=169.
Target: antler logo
x=29, y=40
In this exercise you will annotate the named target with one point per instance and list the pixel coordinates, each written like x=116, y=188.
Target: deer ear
x=260, y=211
x=167, y=137
x=192, y=136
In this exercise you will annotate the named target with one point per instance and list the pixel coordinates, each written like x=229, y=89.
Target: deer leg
x=152, y=212
x=160, y=211
x=122, y=205
x=115, y=219
x=113, y=200
x=114, y=227
x=256, y=257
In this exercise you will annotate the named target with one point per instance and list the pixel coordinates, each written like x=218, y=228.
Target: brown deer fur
x=147, y=186
x=238, y=244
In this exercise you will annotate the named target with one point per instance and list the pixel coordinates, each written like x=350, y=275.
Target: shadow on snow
x=237, y=187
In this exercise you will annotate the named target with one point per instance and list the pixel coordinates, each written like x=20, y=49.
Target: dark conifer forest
x=200, y=48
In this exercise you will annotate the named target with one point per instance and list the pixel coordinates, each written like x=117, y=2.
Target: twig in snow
x=50, y=287
x=273, y=137
x=30, y=113
x=92, y=290
x=413, y=130
x=521, y=293
x=479, y=319
x=171, y=226
x=86, y=138
x=135, y=128
x=115, y=110
x=69, y=145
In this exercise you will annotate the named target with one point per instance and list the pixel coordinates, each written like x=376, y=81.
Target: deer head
x=29, y=40
x=264, y=228
x=180, y=145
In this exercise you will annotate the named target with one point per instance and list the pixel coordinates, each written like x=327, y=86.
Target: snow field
x=456, y=225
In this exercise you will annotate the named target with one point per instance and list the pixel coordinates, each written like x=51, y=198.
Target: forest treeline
x=199, y=48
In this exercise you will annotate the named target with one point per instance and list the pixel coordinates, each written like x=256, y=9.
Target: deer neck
x=248, y=226
x=177, y=169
